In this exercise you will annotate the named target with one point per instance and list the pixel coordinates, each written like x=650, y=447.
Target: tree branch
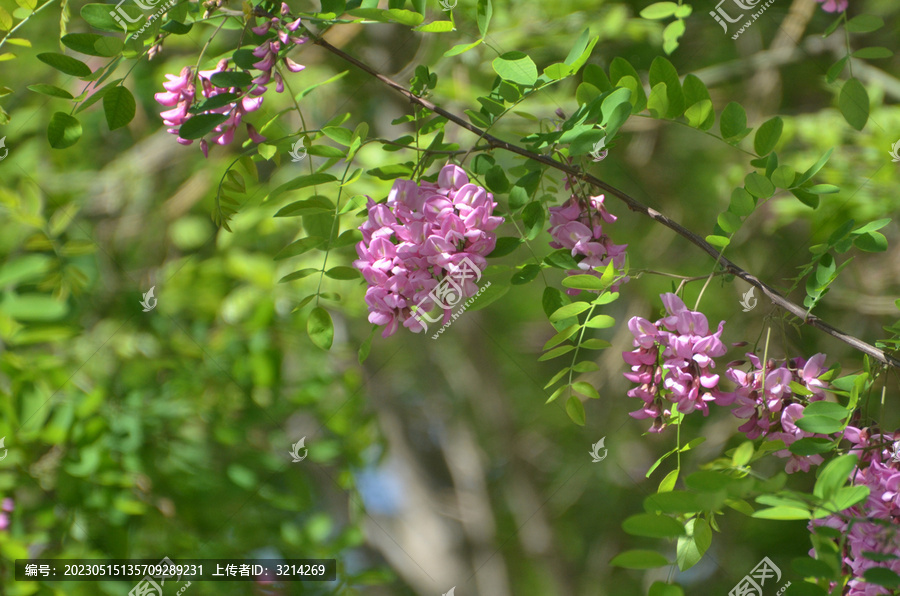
x=633, y=204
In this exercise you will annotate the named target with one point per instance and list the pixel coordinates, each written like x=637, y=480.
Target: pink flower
x=833, y=5
x=673, y=362
x=420, y=247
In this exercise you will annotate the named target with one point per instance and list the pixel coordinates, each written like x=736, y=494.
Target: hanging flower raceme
x=875, y=533
x=673, y=362
x=183, y=94
x=422, y=233
x=579, y=228
x=765, y=398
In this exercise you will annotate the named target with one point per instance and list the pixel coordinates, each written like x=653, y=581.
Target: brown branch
x=633, y=204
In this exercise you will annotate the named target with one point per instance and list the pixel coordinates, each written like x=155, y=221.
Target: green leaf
x=343, y=273
x=853, y=103
x=742, y=202
x=299, y=274
x=463, y=47
x=581, y=51
x=555, y=352
x=320, y=328
x=652, y=526
x=826, y=408
x=98, y=16
x=339, y=134
x=516, y=67
x=708, y=481
x=558, y=339
x=600, y=322
x=619, y=70
x=691, y=548
x=659, y=10
x=733, y=123
x=782, y=513
x=819, y=424
x=743, y=454
x=436, y=27
x=676, y=501
x=758, y=185
x=881, y=576
x=527, y=274
x=836, y=69
x=231, y=79
x=533, y=218
x=873, y=53
x=585, y=389
x=496, y=180
x=658, y=103
x=662, y=71
x=834, y=475
x=505, y=246
x=811, y=446
x=177, y=28
x=82, y=42
x=865, y=23
x=50, y=90
x=718, y=241
x=119, y=107
x=729, y=222
x=595, y=344
x=63, y=131
x=783, y=177
x=583, y=282
x=65, y=64
x=871, y=242
x=672, y=33
x=668, y=483
x=200, y=125
x=569, y=310
x=561, y=259
x=575, y=410
x=639, y=559
x=483, y=12
x=33, y=307
x=848, y=496
x=814, y=169
x=767, y=136
x=698, y=114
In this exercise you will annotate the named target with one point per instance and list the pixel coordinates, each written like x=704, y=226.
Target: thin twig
x=633, y=204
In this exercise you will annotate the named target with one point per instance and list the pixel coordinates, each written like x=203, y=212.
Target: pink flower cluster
x=181, y=91
x=771, y=408
x=673, y=362
x=423, y=232
x=833, y=5
x=6, y=508
x=879, y=470
x=578, y=227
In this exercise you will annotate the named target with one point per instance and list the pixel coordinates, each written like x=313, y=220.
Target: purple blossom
x=421, y=233
x=772, y=410
x=578, y=227
x=880, y=473
x=833, y=5
x=673, y=363
x=182, y=92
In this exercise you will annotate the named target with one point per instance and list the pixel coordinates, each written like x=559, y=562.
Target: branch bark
x=633, y=204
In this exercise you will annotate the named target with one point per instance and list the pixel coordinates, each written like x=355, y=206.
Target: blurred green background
x=435, y=463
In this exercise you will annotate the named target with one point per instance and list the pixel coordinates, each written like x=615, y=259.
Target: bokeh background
x=434, y=463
